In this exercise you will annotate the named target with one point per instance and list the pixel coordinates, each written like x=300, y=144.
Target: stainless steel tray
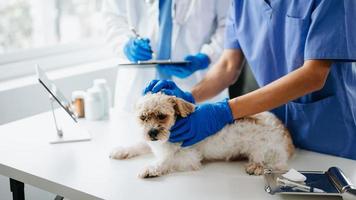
x=333, y=182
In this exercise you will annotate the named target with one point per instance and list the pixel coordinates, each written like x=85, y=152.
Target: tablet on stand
x=65, y=134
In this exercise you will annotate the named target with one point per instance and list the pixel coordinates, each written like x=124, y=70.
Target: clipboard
x=333, y=182
x=153, y=63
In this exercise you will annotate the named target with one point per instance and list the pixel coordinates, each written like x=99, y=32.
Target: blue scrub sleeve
x=230, y=40
x=332, y=32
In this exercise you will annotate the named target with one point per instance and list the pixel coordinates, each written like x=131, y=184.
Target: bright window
x=30, y=24
x=51, y=33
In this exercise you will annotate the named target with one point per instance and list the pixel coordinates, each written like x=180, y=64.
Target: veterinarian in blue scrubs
x=300, y=52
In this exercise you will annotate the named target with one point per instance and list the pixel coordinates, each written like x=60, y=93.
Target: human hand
x=206, y=120
x=169, y=88
x=196, y=62
x=138, y=50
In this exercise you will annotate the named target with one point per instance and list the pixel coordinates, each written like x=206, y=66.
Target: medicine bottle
x=78, y=97
x=94, y=108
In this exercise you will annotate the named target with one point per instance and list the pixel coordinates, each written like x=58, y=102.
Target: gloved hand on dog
x=169, y=88
x=206, y=120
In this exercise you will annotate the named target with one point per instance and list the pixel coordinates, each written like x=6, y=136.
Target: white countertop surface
x=84, y=171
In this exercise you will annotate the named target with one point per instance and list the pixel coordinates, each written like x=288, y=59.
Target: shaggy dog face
x=157, y=115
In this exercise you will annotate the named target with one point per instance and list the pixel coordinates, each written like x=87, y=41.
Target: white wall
x=32, y=99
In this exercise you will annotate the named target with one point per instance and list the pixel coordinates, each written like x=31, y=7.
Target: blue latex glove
x=168, y=87
x=197, y=62
x=138, y=50
x=206, y=120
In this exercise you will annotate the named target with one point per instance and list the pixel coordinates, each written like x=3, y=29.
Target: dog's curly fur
x=261, y=138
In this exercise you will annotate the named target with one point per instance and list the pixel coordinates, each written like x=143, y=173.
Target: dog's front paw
x=121, y=153
x=150, y=172
x=254, y=169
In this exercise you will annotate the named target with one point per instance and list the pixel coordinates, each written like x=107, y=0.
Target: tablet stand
x=72, y=134
x=59, y=130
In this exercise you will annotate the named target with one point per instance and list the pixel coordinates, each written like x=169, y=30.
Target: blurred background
x=32, y=24
x=36, y=31
x=65, y=37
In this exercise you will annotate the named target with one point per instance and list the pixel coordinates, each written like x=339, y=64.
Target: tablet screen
x=54, y=92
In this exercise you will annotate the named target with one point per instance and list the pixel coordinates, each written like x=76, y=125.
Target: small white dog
x=261, y=138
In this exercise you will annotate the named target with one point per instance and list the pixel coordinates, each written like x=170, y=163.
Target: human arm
x=306, y=79
x=223, y=74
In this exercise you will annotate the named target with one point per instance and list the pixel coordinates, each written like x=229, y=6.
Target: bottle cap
x=100, y=82
x=93, y=93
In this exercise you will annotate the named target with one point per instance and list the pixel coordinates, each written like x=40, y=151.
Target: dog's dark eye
x=143, y=118
x=161, y=116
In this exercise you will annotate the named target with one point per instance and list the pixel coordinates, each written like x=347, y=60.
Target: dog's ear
x=182, y=108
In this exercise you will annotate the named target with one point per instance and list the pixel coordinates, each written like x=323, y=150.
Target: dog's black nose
x=153, y=133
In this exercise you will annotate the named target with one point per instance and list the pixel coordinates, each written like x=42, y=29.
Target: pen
x=301, y=187
x=133, y=30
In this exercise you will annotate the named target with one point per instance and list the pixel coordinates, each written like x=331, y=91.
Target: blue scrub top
x=277, y=36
